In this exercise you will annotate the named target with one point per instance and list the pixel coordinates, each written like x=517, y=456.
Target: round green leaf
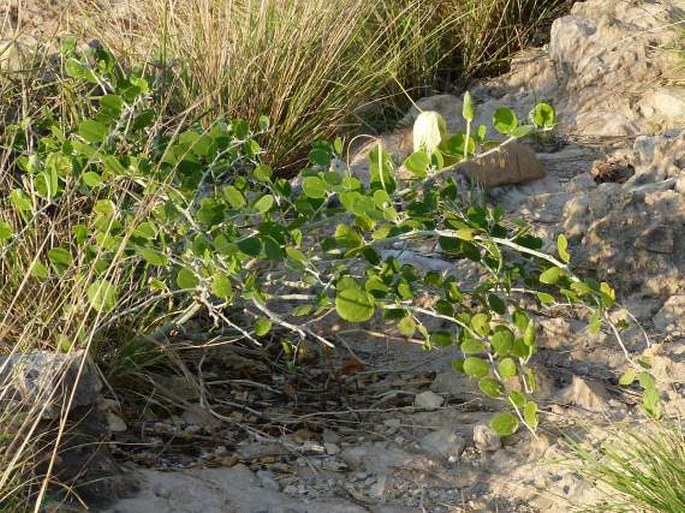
x=476, y=367
x=481, y=323
x=264, y=204
x=491, y=387
x=102, y=296
x=418, y=163
x=60, y=258
x=314, y=187
x=543, y=115
x=497, y=304
x=93, y=131
x=186, y=279
x=152, y=256
x=234, y=197
x=506, y=368
x=502, y=341
x=552, y=275
x=407, y=327
x=221, y=286
x=262, y=327
x=504, y=120
x=472, y=346
x=354, y=304
x=504, y=424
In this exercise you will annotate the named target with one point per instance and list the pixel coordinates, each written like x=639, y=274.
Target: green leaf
x=595, y=322
x=504, y=424
x=102, y=295
x=264, y=204
x=647, y=381
x=530, y=414
x=407, y=327
x=468, y=110
x=347, y=236
x=497, y=304
x=476, y=367
x=552, y=275
x=481, y=324
x=354, y=305
x=441, y=338
x=60, y=259
x=506, y=368
x=5, y=231
x=186, y=279
x=262, y=327
x=93, y=131
x=543, y=115
x=262, y=173
x=522, y=131
x=221, y=286
x=472, y=346
x=529, y=335
x=418, y=163
x=517, y=398
x=458, y=365
x=545, y=298
x=21, y=200
x=111, y=106
x=491, y=387
x=627, y=377
x=234, y=197
x=562, y=248
x=314, y=187
x=152, y=256
x=91, y=179
x=651, y=402
x=502, y=341
x=251, y=246
x=38, y=270
x=272, y=249
x=504, y=120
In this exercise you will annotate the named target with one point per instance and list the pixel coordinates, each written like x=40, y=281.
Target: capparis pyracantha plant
x=163, y=222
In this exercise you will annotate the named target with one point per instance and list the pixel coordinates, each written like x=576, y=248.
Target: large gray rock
x=42, y=376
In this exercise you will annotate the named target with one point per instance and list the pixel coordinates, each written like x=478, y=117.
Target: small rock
x=512, y=164
x=485, y=439
x=445, y=443
x=115, y=423
x=331, y=448
x=428, y=401
x=671, y=317
x=268, y=480
x=588, y=394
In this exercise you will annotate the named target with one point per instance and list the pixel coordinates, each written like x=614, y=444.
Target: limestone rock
x=588, y=394
x=514, y=163
x=444, y=443
x=670, y=319
x=33, y=376
x=485, y=439
x=428, y=400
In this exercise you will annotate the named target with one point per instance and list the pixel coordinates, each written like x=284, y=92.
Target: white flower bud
x=429, y=129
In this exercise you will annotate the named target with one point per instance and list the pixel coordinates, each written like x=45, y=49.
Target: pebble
x=428, y=401
x=485, y=439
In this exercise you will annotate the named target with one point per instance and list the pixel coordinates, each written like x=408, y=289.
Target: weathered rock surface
x=47, y=377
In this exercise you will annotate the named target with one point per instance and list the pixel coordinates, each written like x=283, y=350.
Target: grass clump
x=639, y=471
x=317, y=68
